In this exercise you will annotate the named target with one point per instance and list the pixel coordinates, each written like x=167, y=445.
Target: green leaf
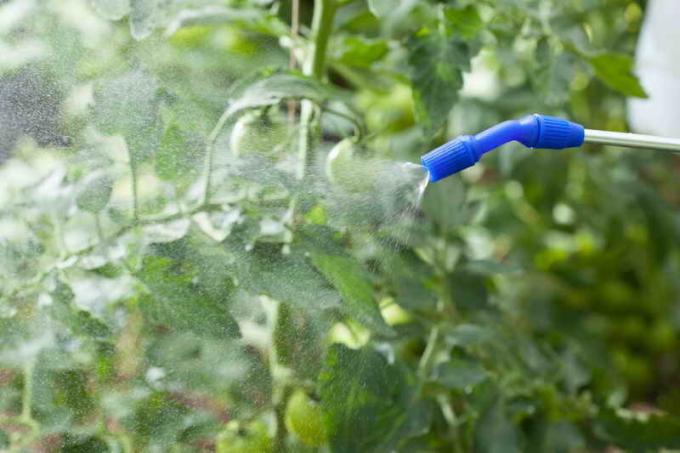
x=616, y=71
x=189, y=286
x=365, y=400
x=128, y=106
x=437, y=62
x=79, y=321
x=94, y=192
x=287, y=278
x=495, y=432
x=347, y=276
x=111, y=9
x=468, y=289
x=382, y=8
x=255, y=18
x=178, y=155
x=638, y=432
x=297, y=337
x=464, y=22
x=274, y=89
x=360, y=52
x=460, y=374
x=464, y=335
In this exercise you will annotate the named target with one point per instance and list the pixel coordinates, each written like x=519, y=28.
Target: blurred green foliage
x=180, y=274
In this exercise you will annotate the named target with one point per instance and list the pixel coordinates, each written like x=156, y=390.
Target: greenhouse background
x=214, y=234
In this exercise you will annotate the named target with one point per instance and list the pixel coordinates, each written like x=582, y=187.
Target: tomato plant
x=209, y=240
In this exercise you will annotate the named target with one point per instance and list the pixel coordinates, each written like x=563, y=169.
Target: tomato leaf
x=437, y=63
x=79, y=321
x=128, y=106
x=347, y=276
x=94, y=192
x=365, y=400
x=616, y=71
x=274, y=89
x=460, y=374
x=464, y=22
x=190, y=288
x=178, y=155
x=360, y=52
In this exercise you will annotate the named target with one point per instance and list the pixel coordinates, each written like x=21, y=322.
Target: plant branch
x=315, y=66
x=427, y=359
x=322, y=26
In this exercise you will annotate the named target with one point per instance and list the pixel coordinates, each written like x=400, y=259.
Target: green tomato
x=304, y=418
x=393, y=314
x=253, y=439
x=344, y=170
x=257, y=133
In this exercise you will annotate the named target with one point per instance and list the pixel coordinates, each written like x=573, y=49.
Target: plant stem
x=427, y=359
x=134, y=184
x=322, y=26
x=292, y=62
x=27, y=394
x=315, y=66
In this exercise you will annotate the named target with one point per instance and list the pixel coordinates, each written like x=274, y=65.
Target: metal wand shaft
x=632, y=140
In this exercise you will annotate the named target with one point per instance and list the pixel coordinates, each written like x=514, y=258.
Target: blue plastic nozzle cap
x=450, y=158
x=534, y=131
x=558, y=133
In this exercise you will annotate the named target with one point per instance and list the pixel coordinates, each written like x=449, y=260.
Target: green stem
x=27, y=394
x=282, y=386
x=134, y=185
x=322, y=26
x=315, y=66
x=427, y=359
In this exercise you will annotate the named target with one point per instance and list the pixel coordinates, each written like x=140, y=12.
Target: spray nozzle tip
x=450, y=158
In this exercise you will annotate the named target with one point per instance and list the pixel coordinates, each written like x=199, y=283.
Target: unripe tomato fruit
x=347, y=172
x=304, y=418
x=253, y=439
x=257, y=133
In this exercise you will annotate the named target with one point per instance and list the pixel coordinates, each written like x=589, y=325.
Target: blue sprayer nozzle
x=533, y=131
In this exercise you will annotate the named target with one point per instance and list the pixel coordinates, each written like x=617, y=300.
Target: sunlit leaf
x=347, y=276
x=616, y=71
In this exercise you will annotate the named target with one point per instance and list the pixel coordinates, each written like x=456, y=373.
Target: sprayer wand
x=533, y=131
